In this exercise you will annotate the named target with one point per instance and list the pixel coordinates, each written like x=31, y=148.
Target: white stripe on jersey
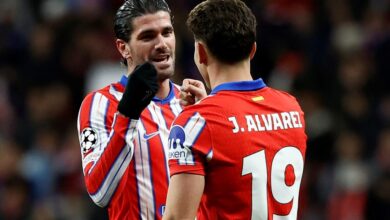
x=175, y=103
x=98, y=116
x=175, y=106
x=118, y=95
x=177, y=86
x=111, y=181
x=192, y=129
x=99, y=151
x=97, y=121
x=157, y=116
x=144, y=180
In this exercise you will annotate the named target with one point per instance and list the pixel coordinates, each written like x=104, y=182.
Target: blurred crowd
x=333, y=55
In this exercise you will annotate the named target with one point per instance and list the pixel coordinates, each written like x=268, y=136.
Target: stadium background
x=332, y=54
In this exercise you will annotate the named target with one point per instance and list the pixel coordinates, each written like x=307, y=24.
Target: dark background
x=333, y=55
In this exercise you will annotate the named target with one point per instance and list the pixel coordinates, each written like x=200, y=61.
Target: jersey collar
x=240, y=86
x=123, y=81
x=171, y=95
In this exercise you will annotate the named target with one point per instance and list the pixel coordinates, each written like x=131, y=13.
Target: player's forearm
x=103, y=174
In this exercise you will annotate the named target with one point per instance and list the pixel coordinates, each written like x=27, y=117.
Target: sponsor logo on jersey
x=176, y=140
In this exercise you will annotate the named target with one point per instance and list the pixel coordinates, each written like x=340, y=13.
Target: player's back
x=253, y=146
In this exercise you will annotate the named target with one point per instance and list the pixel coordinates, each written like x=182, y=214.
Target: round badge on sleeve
x=88, y=140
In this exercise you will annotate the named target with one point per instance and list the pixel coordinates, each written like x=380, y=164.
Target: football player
x=238, y=153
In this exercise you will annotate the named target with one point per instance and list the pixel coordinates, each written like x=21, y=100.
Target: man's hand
x=141, y=87
x=191, y=92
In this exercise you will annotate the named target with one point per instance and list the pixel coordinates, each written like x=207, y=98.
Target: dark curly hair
x=227, y=27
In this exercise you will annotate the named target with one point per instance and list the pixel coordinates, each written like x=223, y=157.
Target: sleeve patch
x=88, y=140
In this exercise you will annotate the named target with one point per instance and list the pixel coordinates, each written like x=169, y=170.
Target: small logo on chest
x=150, y=135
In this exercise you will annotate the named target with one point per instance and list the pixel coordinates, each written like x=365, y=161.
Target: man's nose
x=161, y=43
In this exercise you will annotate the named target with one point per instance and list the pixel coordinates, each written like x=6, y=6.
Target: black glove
x=140, y=89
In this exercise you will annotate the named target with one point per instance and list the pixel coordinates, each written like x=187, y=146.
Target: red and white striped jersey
x=125, y=162
x=249, y=142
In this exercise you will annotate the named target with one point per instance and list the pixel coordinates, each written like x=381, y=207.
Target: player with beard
x=123, y=127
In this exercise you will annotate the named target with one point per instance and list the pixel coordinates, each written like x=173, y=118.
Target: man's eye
x=167, y=32
x=147, y=38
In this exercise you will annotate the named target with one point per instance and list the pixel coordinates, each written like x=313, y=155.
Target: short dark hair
x=123, y=22
x=227, y=27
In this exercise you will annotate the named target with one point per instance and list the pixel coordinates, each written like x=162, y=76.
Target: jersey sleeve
x=189, y=144
x=106, y=148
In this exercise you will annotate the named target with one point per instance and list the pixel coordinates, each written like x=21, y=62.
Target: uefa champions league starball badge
x=88, y=140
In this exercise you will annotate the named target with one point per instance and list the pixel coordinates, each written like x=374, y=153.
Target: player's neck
x=222, y=73
x=164, y=89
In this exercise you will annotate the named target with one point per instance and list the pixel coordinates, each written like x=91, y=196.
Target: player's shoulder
x=208, y=104
x=91, y=94
x=112, y=92
x=206, y=108
x=282, y=96
x=281, y=93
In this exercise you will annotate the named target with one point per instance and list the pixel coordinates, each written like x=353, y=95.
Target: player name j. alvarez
x=267, y=122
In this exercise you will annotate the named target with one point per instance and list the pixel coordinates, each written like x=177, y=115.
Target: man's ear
x=123, y=48
x=203, y=56
x=253, y=50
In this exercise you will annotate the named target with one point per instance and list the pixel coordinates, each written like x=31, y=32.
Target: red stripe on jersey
x=85, y=111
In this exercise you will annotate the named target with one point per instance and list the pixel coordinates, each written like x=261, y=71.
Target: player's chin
x=165, y=74
x=165, y=71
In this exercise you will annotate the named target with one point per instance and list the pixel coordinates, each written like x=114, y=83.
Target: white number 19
x=256, y=165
